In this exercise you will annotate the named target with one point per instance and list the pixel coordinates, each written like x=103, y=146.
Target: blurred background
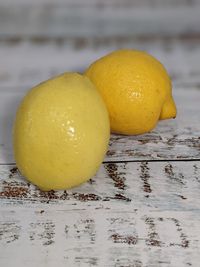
x=42, y=38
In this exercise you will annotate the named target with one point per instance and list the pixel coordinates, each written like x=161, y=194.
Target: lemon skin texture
x=136, y=89
x=61, y=132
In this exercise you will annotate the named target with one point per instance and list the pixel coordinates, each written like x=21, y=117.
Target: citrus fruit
x=136, y=89
x=61, y=132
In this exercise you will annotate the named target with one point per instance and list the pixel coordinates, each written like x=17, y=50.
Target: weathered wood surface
x=141, y=214
x=151, y=185
x=142, y=207
x=130, y=214
x=98, y=18
x=103, y=238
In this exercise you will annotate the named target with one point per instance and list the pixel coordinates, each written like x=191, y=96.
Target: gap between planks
x=128, y=161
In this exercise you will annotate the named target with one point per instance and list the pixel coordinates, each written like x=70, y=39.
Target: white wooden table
x=142, y=209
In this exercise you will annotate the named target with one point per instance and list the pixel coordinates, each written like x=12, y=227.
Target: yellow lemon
x=61, y=132
x=136, y=89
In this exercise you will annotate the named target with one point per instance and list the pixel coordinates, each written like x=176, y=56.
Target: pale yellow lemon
x=61, y=132
x=136, y=89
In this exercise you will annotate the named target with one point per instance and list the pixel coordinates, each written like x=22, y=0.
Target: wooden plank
x=130, y=214
x=25, y=63
x=100, y=238
x=102, y=3
x=154, y=185
x=65, y=19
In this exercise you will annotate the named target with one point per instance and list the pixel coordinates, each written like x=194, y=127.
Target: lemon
x=136, y=89
x=61, y=132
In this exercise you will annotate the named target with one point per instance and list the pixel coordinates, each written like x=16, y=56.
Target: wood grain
x=105, y=18
x=26, y=62
x=139, y=213
x=159, y=185
x=100, y=238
